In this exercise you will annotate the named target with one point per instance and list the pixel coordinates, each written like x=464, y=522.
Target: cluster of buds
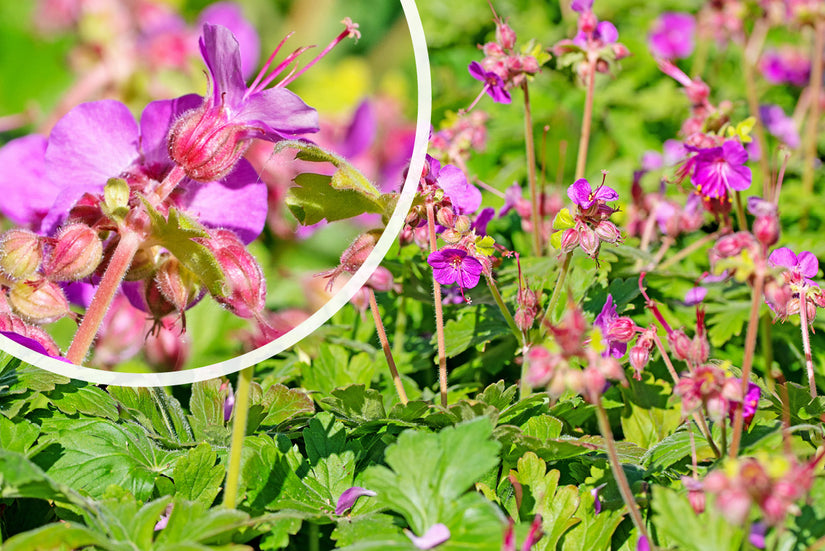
x=766, y=222
x=501, y=58
x=33, y=269
x=591, y=226
x=527, y=302
x=694, y=351
x=595, y=46
x=710, y=388
x=556, y=365
x=459, y=137
x=639, y=355
x=785, y=293
x=774, y=484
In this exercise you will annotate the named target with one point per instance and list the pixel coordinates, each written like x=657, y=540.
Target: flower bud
x=589, y=241
x=639, y=356
x=143, y=265
x=779, y=297
x=622, y=329
x=381, y=280
x=569, y=240
x=541, y=364
x=620, y=51
x=608, y=232
x=529, y=64
x=587, y=22
x=766, y=229
x=77, y=252
x=451, y=236
x=176, y=283
x=463, y=224
x=21, y=253
x=679, y=343
x=445, y=217
x=505, y=35
x=40, y=301
x=39, y=335
x=245, y=284
x=594, y=384
x=492, y=49
x=729, y=245
x=121, y=335
x=205, y=144
x=699, y=349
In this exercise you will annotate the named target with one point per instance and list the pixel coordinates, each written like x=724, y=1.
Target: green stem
x=813, y=119
x=767, y=344
x=740, y=212
x=531, y=172
x=554, y=298
x=618, y=472
x=511, y=323
x=314, y=537
x=239, y=419
x=584, y=140
x=747, y=361
x=439, y=313
x=162, y=401
x=385, y=346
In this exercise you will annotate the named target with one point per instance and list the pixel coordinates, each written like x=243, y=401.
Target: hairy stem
x=439, y=312
x=554, y=298
x=529, y=146
x=239, y=418
x=806, y=343
x=618, y=472
x=385, y=346
x=584, y=140
x=813, y=118
x=747, y=361
x=118, y=266
x=508, y=317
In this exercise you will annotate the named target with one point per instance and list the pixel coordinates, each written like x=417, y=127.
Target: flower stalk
x=554, y=298
x=813, y=119
x=531, y=172
x=439, y=312
x=584, y=140
x=239, y=419
x=806, y=342
x=385, y=346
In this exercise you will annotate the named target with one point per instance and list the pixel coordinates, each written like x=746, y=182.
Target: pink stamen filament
x=351, y=30
x=281, y=66
x=478, y=97
x=269, y=61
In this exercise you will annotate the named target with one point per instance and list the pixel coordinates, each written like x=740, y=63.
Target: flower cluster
x=504, y=67
x=591, y=225
x=709, y=388
x=772, y=484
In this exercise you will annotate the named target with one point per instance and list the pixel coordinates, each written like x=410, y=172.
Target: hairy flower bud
x=463, y=224
x=639, y=356
x=679, y=343
x=168, y=347
x=77, y=252
x=245, y=284
x=176, y=283
x=608, y=232
x=766, y=229
x=505, y=35
x=622, y=329
x=569, y=240
x=594, y=383
x=381, y=280
x=9, y=323
x=21, y=253
x=445, y=217
x=589, y=241
x=699, y=349
x=205, y=144
x=40, y=301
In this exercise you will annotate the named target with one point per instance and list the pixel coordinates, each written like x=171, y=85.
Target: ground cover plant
x=598, y=329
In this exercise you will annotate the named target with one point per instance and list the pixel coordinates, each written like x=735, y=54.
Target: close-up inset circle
x=314, y=320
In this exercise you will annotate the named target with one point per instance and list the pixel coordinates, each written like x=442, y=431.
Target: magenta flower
x=672, y=35
x=455, y=266
x=616, y=330
x=802, y=267
x=465, y=197
x=779, y=124
x=581, y=6
x=718, y=170
x=695, y=296
x=583, y=195
x=349, y=497
x=493, y=84
x=786, y=66
x=209, y=140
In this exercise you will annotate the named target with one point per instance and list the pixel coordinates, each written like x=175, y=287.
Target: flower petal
x=607, y=32
x=229, y=15
x=349, y=497
x=695, y=296
x=784, y=257
x=222, y=56
x=26, y=190
x=734, y=152
x=466, y=198
x=361, y=131
x=606, y=193
x=238, y=202
x=807, y=264
x=279, y=112
x=477, y=71
x=469, y=273
x=433, y=537
x=579, y=192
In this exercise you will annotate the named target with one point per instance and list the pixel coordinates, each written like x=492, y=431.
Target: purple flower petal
x=672, y=36
x=465, y=197
x=642, y=544
x=511, y=196
x=477, y=71
x=470, y=273
x=784, y=257
x=279, y=112
x=499, y=94
x=229, y=15
x=579, y=192
x=734, y=152
x=807, y=264
x=27, y=191
x=361, y=131
x=581, y=5
x=606, y=31
x=483, y=218
x=605, y=193
x=695, y=296
x=349, y=497
x=433, y=537
x=220, y=51
x=238, y=202
x=757, y=534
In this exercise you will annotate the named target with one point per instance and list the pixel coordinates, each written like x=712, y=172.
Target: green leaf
x=427, y=473
x=57, y=537
x=676, y=447
x=725, y=322
x=347, y=177
x=543, y=427
x=94, y=454
x=17, y=435
x=196, y=475
x=176, y=233
x=315, y=198
x=473, y=326
x=282, y=404
x=194, y=525
x=356, y=403
x=336, y=367
x=156, y=411
x=20, y=478
x=680, y=525
x=595, y=531
x=79, y=396
x=498, y=395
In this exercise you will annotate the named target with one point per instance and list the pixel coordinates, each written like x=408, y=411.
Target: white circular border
x=422, y=131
